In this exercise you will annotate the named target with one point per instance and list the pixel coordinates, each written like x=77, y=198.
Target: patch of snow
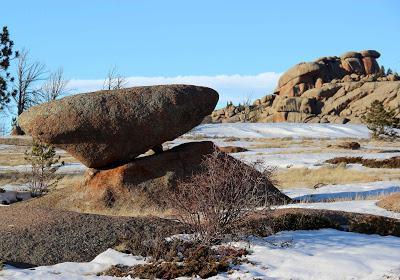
x=321, y=254
x=355, y=206
x=281, y=130
x=13, y=193
x=300, y=160
x=6, y=147
x=70, y=270
x=345, y=191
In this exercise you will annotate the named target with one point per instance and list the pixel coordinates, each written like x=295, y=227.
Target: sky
x=237, y=47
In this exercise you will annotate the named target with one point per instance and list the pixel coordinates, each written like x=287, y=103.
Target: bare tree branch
x=28, y=74
x=114, y=80
x=54, y=88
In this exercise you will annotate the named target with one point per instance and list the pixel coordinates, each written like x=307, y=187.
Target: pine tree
x=382, y=122
x=382, y=71
x=6, y=55
x=44, y=163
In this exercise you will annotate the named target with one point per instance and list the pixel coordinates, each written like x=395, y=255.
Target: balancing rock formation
x=327, y=90
x=108, y=130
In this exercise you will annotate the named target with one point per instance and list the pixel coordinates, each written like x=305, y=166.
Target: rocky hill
x=328, y=90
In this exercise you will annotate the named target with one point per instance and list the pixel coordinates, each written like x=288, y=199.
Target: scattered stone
x=351, y=145
x=232, y=149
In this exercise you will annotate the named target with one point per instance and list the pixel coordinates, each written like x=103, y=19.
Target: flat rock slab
x=108, y=128
x=31, y=236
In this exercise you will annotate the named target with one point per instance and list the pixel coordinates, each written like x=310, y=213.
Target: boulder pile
x=108, y=130
x=328, y=90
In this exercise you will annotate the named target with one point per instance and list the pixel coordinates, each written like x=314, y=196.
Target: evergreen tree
x=382, y=71
x=44, y=163
x=382, y=122
x=6, y=55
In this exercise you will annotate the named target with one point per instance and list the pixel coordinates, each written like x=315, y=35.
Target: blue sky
x=238, y=47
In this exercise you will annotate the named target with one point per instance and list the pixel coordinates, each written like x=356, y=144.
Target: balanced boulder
x=109, y=128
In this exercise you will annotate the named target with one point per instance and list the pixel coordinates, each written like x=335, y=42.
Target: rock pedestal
x=148, y=178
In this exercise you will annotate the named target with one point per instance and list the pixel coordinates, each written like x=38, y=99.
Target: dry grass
x=73, y=196
x=306, y=177
x=391, y=202
x=14, y=155
x=12, y=177
x=16, y=140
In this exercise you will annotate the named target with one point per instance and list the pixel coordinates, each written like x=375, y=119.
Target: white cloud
x=233, y=88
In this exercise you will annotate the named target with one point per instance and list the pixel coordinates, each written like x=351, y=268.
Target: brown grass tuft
x=308, y=177
x=391, y=202
x=393, y=162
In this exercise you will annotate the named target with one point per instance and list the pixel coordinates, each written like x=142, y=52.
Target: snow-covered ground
x=68, y=168
x=322, y=254
x=356, y=197
x=355, y=206
x=304, y=159
x=317, y=254
x=280, y=130
x=14, y=193
x=76, y=271
x=344, y=192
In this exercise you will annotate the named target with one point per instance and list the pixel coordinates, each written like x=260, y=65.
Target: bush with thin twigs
x=225, y=192
x=183, y=259
x=44, y=163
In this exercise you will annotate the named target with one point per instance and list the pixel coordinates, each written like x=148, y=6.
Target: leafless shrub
x=114, y=80
x=183, y=259
x=54, y=87
x=225, y=192
x=28, y=74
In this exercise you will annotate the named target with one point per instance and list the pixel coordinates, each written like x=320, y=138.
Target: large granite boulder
x=309, y=75
x=110, y=128
x=298, y=79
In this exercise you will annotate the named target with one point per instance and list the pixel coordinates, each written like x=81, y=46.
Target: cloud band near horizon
x=235, y=88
